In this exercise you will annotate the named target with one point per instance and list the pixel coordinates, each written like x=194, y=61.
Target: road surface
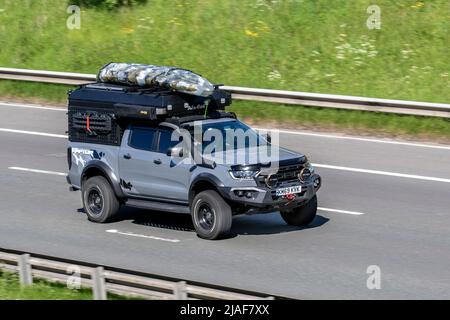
x=383, y=203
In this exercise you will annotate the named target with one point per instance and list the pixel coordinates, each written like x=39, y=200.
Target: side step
x=158, y=206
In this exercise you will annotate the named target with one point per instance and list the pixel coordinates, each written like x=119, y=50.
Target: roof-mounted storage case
x=98, y=111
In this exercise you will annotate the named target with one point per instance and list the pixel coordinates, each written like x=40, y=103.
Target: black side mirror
x=268, y=137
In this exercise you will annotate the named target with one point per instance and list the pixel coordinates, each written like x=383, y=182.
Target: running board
x=158, y=206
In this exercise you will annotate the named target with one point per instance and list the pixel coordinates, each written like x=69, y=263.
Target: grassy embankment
x=305, y=45
x=10, y=289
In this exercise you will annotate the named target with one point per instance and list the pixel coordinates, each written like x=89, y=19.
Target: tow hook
x=290, y=196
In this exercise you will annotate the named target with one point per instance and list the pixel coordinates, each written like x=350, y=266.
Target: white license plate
x=288, y=190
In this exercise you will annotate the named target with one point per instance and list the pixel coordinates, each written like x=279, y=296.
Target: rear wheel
x=211, y=215
x=301, y=216
x=100, y=202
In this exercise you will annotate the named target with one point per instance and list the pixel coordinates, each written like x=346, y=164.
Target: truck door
x=145, y=169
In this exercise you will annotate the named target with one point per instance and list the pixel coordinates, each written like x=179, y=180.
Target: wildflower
x=251, y=33
x=274, y=75
x=418, y=5
x=175, y=21
x=127, y=30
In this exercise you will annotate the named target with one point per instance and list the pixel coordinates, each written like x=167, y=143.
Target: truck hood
x=254, y=156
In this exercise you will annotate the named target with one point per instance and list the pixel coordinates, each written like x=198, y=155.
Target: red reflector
x=88, y=124
x=290, y=196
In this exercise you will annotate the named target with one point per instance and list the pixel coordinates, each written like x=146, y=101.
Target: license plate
x=288, y=190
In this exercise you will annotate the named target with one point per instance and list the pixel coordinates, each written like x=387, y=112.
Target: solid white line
x=142, y=236
x=321, y=135
x=37, y=171
x=31, y=106
x=152, y=237
x=384, y=173
x=35, y=133
x=295, y=132
x=341, y=211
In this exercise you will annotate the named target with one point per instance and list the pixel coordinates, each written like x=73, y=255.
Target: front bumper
x=264, y=199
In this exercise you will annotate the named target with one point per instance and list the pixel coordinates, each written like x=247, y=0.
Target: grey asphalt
x=404, y=229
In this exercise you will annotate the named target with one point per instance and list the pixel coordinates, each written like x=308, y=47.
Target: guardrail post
x=98, y=284
x=26, y=278
x=180, y=291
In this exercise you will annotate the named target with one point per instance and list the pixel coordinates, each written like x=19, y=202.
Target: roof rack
x=126, y=101
x=99, y=111
x=178, y=121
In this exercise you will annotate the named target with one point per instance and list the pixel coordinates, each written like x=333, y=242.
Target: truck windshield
x=225, y=135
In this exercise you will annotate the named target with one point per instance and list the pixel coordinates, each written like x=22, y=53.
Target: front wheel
x=301, y=216
x=100, y=202
x=211, y=215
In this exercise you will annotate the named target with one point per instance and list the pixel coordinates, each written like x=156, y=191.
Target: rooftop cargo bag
x=151, y=76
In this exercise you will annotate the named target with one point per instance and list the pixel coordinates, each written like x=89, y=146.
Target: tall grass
x=306, y=45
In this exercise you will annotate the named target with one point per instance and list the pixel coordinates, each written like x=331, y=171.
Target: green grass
x=10, y=289
x=305, y=45
x=371, y=123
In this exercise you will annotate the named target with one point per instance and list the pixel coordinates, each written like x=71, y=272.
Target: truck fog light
x=316, y=183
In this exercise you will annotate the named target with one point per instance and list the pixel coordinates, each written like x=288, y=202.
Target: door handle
x=127, y=156
x=157, y=161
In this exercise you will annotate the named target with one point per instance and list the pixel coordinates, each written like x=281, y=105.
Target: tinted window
x=165, y=141
x=142, y=138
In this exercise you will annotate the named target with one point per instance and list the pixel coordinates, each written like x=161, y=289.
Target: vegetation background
x=304, y=45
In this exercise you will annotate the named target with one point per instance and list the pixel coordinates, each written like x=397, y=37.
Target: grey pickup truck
x=166, y=151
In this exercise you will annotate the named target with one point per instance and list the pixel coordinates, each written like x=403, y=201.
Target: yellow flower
x=251, y=33
x=175, y=21
x=418, y=5
x=127, y=30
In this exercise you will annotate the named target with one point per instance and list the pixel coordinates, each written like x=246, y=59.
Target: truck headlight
x=306, y=172
x=244, y=174
x=309, y=166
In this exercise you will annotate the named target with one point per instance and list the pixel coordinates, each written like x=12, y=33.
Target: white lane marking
x=383, y=173
x=34, y=133
x=330, y=136
x=142, y=236
x=38, y=171
x=341, y=211
x=31, y=106
x=152, y=237
x=295, y=132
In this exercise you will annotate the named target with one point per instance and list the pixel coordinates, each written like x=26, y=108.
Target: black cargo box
x=99, y=111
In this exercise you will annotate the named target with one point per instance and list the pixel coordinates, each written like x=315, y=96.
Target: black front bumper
x=263, y=199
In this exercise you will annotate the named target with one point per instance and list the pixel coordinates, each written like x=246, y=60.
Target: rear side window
x=142, y=138
x=165, y=141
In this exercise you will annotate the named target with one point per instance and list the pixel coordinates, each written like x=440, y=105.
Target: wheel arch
x=99, y=168
x=202, y=182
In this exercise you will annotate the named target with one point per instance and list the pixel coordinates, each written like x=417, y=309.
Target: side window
x=165, y=141
x=142, y=138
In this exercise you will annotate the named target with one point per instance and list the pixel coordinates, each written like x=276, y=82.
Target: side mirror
x=175, y=152
x=268, y=137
